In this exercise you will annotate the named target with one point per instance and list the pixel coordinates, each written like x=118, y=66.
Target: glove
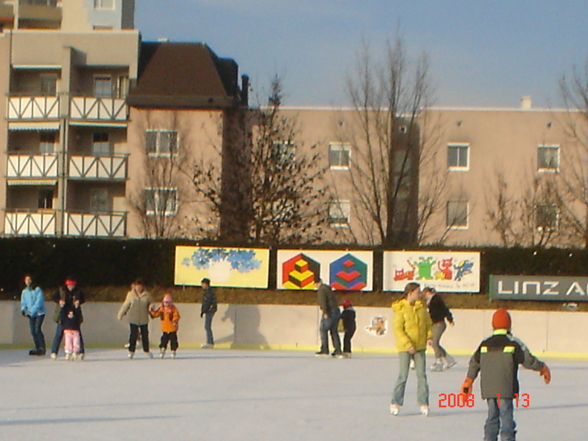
x=24, y=314
x=201, y=314
x=466, y=387
x=545, y=373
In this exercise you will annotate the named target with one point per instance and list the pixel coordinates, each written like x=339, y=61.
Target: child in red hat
x=497, y=358
x=349, y=326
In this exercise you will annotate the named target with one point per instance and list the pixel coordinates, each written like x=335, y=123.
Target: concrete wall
x=296, y=327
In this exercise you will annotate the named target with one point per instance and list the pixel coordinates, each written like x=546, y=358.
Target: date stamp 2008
x=463, y=400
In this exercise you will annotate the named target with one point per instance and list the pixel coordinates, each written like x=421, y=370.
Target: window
x=546, y=217
x=458, y=156
x=45, y=200
x=42, y=2
x=457, y=214
x=122, y=86
x=162, y=142
x=99, y=201
x=548, y=158
x=103, y=4
x=339, y=155
x=161, y=201
x=339, y=213
x=103, y=86
x=47, y=142
x=100, y=144
x=49, y=85
x=283, y=151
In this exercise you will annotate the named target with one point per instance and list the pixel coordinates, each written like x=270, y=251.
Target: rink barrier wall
x=293, y=327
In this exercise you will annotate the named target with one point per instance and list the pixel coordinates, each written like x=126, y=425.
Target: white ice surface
x=225, y=395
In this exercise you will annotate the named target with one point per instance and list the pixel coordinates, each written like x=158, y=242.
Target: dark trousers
x=59, y=336
x=35, y=324
x=172, y=338
x=208, y=327
x=135, y=329
x=347, y=339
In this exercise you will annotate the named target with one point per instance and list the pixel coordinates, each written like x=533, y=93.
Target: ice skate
x=161, y=352
x=208, y=346
x=173, y=354
x=131, y=355
x=448, y=362
x=425, y=410
x=53, y=356
x=394, y=409
x=149, y=354
x=347, y=354
x=437, y=366
x=67, y=357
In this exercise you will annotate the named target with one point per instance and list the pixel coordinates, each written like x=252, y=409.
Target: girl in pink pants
x=71, y=319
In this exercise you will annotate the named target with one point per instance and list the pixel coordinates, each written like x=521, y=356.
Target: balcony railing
x=32, y=166
x=96, y=224
x=98, y=167
x=33, y=107
x=29, y=223
x=101, y=109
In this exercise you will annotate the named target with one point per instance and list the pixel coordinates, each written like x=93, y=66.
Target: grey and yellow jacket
x=497, y=359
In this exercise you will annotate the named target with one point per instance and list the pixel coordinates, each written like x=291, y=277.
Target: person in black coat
x=349, y=326
x=439, y=312
x=65, y=297
x=208, y=309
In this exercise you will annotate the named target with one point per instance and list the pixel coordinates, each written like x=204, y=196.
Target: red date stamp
x=468, y=400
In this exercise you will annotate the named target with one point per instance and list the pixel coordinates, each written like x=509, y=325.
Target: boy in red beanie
x=497, y=358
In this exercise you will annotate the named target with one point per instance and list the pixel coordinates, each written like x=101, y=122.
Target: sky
x=483, y=53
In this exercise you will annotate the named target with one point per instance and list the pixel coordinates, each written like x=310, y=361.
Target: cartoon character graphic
x=378, y=326
x=463, y=269
x=445, y=272
x=425, y=267
x=402, y=274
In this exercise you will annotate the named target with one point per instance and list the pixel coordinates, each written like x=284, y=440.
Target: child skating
x=71, y=319
x=497, y=359
x=170, y=317
x=349, y=326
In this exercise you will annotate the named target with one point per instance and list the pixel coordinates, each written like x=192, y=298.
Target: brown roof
x=184, y=75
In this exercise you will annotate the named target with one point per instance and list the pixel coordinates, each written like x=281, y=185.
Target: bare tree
x=269, y=187
x=390, y=147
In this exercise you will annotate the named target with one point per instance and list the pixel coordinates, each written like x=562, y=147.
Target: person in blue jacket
x=32, y=305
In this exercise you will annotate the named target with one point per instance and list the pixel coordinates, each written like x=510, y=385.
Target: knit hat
x=346, y=303
x=501, y=319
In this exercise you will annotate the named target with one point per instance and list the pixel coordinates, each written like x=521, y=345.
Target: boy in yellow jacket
x=170, y=317
x=413, y=331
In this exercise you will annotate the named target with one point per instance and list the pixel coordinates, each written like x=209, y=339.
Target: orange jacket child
x=170, y=316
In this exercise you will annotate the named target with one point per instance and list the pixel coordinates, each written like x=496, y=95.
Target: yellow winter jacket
x=412, y=325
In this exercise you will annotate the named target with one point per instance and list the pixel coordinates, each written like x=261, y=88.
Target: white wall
x=296, y=327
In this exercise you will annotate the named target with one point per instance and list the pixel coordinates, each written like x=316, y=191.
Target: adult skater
x=439, y=312
x=330, y=315
x=65, y=297
x=497, y=359
x=413, y=331
x=207, y=310
x=32, y=305
x=136, y=307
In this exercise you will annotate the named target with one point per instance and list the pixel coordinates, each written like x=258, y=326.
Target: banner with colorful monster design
x=342, y=270
x=230, y=267
x=449, y=271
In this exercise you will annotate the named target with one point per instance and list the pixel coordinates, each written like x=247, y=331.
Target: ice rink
x=262, y=395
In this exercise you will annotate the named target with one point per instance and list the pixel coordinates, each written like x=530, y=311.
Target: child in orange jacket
x=170, y=316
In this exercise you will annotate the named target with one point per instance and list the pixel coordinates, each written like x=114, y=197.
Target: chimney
x=244, y=90
x=526, y=102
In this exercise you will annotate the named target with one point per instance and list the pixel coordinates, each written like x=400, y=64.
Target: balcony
x=31, y=166
x=98, y=167
x=33, y=108
x=99, y=109
x=111, y=224
x=29, y=223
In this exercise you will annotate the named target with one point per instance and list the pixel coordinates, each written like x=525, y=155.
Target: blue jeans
x=59, y=336
x=329, y=325
x=208, y=327
x=35, y=324
x=421, y=371
x=500, y=419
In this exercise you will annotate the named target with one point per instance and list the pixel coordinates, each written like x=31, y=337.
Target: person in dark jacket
x=65, y=297
x=71, y=320
x=497, y=359
x=208, y=309
x=439, y=312
x=349, y=326
x=330, y=315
